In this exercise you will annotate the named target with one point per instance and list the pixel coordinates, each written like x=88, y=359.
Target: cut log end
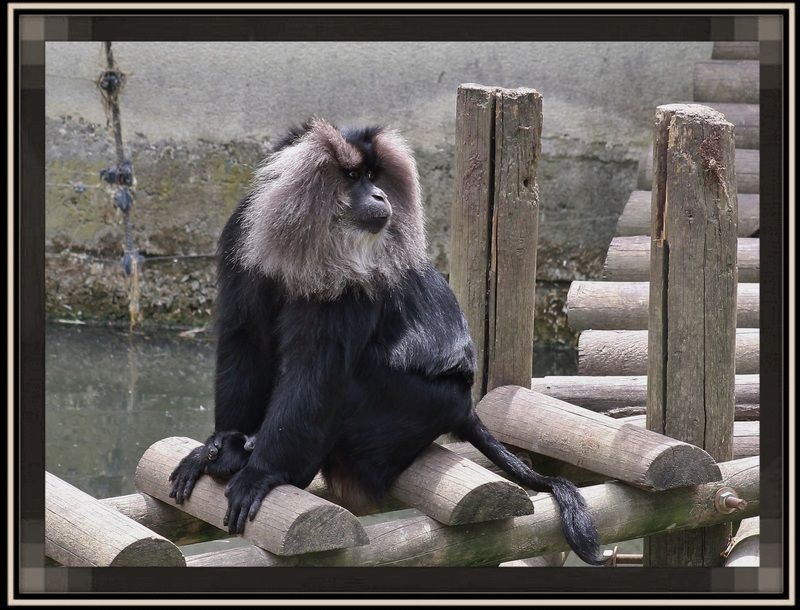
x=680, y=466
x=491, y=501
x=323, y=529
x=149, y=552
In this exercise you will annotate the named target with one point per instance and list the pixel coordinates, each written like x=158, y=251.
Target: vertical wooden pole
x=692, y=315
x=494, y=229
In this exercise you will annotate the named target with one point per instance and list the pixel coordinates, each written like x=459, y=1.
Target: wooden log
x=471, y=215
x=726, y=80
x=624, y=352
x=610, y=394
x=735, y=49
x=454, y=490
x=623, y=305
x=164, y=519
x=621, y=512
x=744, y=550
x=746, y=435
x=495, y=219
x=635, y=218
x=628, y=259
x=693, y=303
x=290, y=521
x=747, y=170
x=79, y=531
x=563, y=431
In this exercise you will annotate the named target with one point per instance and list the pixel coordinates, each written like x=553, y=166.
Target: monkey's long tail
x=576, y=524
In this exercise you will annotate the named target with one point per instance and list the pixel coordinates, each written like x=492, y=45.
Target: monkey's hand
x=245, y=492
x=209, y=458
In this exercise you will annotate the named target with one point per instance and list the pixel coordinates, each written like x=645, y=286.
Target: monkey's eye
x=353, y=173
x=370, y=175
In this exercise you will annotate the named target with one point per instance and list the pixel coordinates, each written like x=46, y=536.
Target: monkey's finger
x=241, y=520
x=187, y=489
x=227, y=515
x=254, y=509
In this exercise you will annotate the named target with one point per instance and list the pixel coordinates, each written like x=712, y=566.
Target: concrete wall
x=198, y=116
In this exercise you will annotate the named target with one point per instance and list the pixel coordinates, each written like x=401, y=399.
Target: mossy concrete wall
x=197, y=117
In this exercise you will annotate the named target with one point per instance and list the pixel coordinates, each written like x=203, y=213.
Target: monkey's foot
x=245, y=492
x=186, y=474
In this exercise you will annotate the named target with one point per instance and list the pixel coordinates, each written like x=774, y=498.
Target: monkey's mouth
x=374, y=224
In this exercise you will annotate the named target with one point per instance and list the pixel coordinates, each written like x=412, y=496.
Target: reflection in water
x=109, y=396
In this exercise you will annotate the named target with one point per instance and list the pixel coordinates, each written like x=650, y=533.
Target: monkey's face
x=334, y=208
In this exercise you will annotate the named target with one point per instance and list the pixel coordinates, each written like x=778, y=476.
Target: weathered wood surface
x=514, y=237
x=290, y=521
x=624, y=305
x=635, y=217
x=747, y=170
x=628, y=259
x=745, y=546
x=621, y=512
x=746, y=122
x=745, y=435
x=623, y=395
x=79, y=531
x=471, y=215
x=164, y=519
x=537, y=422
x=692, y=302
x=726, y=80
x=735, y=49
x=624, y=352
x=454, y=490
x=551, y=560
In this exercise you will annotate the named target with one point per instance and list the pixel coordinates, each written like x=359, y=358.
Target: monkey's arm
x=319, y=345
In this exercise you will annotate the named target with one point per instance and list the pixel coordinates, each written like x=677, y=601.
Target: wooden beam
x=635, y=217
x=290, y=521
x=726, y=80
x=746, y=435
x=628, y=259
x=692, y=302
x=79, y=531
x=624, y=352
x=621, y=512
x=626, y=395
x=735, y=49
x=536, y=422
x=744, y=549
x=624, y=305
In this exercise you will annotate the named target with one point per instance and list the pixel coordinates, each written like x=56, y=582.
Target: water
x=109, y=396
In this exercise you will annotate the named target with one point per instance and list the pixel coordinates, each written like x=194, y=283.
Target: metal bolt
x=726, y=501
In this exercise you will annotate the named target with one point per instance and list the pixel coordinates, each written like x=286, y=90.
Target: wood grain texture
x=454, y=490
x=624, y=352
x=635, y=217
x=621, y=512
x=290, y=521
x=471, y=215
x=693, y=303
x=515, y=234
x=82, y=532
x=746, y=122
x=624, y=305
x=726, y=80
x=537, y=422
x=746, y=435
x=164, y=519
x=747, y=170
x=623, y=395
x=628, y=259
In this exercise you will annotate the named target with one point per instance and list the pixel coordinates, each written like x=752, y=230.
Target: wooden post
x=290, y=521
x=495, y=220
x=692, y=305
x=536, y=422
x=79, y=531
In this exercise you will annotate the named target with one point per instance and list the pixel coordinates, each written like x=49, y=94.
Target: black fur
x=359, y=386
